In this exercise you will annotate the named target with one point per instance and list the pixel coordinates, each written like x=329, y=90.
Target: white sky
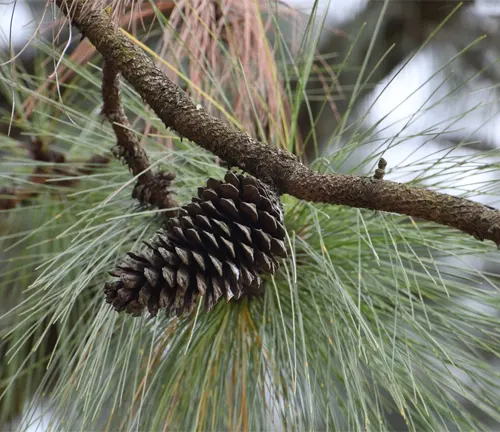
x=338, y=10
x=21, y=17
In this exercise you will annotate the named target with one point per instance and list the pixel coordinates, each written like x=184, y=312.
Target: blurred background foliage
x=375, y=321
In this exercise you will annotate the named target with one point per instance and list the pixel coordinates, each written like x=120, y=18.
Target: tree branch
x=151, y=188
x=268, y=163
x=11, y=196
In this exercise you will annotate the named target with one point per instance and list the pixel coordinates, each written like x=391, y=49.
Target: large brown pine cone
x=218, y=246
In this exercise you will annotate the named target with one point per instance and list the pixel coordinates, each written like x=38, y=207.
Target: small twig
x=151, y=188
x=11, y=196
x=274, y=166
x=380, y=171
x=8, y=197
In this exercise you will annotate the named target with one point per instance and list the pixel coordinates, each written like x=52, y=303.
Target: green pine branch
x=373, y=322
x=275, y=166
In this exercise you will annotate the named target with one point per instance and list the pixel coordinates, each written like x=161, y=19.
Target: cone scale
x=216, y=248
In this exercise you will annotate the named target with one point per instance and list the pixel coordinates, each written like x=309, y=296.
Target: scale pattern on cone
x=217, y=247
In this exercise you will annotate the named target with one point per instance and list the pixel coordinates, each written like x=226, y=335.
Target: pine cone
x=217, y=246
x=156, y=191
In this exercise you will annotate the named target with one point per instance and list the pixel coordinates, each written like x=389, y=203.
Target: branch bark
x=151, y=188
x=268, y=163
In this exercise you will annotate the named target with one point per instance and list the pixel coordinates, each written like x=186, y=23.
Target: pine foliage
x=371, y=320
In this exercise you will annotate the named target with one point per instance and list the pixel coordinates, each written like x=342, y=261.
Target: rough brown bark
x=151, y=188
x=270, y=164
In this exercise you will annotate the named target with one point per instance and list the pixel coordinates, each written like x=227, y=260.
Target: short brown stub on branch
x=380, y=171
